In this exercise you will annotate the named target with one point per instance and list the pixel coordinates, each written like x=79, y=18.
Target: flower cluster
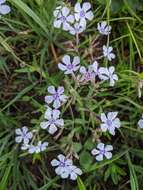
x=73, y=21
x=109, y=123
x=65, y=168
x=24, y=137
x=87, y=74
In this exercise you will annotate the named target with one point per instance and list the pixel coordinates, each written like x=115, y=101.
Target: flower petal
x=95, y=151
x=112, y=115
x=60, y=122
x=44, y=125
x=99, y=157
x=108, y=147
x=108, y=155
x=52, y=129
x=89, y=15
x=76, y=60
x=101, y=146
x=49, y=99
x=48, y=114
x=18, y=131
x=77, y=7
x=62, y=67
x=104, y=127
x=4, y=9
x=18, y=139
x=56, y=114
x=55, y=162
x=86, y=6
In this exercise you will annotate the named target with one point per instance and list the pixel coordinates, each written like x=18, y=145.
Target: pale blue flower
x=63, y=18
x=108, y=74
x=69, y=66
x=62, y=166
x=23, y=135
x=101, y=151
x=57, y=96
x=107, y=52
x=4, y=9
x=88, y=74
x=83, y=13
x=104, y=28
x=53, y=121
x=76, y=29
x=110, y=122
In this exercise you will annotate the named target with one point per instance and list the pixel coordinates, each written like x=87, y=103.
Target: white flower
x=83, y=13
x=140, y=123
x=57, y=96
x=87, y=74
x=62, y=166
x=74, y=172
x=69, y=67
x=104, y=28
x=4, y=9
x=76, y=29
x=110, y=122
x=102, y=151
x=23, y=135
x=107, y=52
x=53, y=121
x=40, y=147
x=108, y=74
x=63, y=18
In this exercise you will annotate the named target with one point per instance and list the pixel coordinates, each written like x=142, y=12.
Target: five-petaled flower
x=110, y=122
x=63, y=18
x=104, y=28
x=23, y=135
x=62, y=166
x=53, y=121
x=140, y=123
x=83, y=13
x=40, y=147
x=108, y=74
x=69, y=66
x=4, y=9
x=101, y=151
x=76, y=29
x=65, y=167
x=57, y=96
x=87, y=74
x=107, y=52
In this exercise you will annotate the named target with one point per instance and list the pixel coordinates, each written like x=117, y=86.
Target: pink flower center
x=56, y=95
x=63, y=18
x=70, y=66
x=102, y=152
x=109, y=123
x=82, y=13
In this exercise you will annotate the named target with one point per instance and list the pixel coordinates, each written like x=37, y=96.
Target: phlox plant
x=65, y=108
x=75, y=22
